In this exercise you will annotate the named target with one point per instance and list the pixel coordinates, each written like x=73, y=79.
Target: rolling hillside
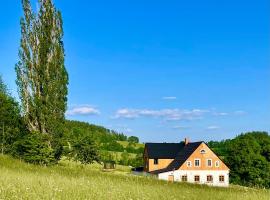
x=125, y=144
x=111, y=144
x=69, y=180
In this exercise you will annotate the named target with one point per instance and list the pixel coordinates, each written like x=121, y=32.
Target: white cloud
x=220, y=113
x=181, y=127
x=169, y=98
x=213, y=127
x=121, y=128
x=167, y=114
x=240, y=112
x=83, y=110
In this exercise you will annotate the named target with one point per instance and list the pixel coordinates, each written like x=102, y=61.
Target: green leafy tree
x=85, y=151
x=106, y=156
x=125, y=158
x=113, y=146
x=248, y=159
x=41, y=75
x=32, y=148
x=140, y=150
x=11, y=124
x=138, y=160
x=131, y=148
x=133, y=139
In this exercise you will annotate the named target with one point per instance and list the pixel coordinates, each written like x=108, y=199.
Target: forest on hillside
x=80, y=141
x=109, y=142
x=247, y=156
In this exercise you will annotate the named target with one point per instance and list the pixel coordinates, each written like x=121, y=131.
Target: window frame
x=212, y=179
x=221, y=178
x=189, y=164
x=197, y=159
x=155, y=161
x=207, y=164
x=217, y=163
x=184, y=180
x=199, y=178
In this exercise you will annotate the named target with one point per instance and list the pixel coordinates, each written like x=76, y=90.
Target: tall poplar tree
x=42, y=78
x=3, y=87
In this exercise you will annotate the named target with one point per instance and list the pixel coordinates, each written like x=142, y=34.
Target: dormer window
x=203, y=151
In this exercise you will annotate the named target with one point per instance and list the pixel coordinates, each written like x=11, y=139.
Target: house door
x=171, y=178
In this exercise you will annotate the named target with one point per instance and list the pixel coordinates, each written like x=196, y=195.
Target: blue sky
x=160, y=70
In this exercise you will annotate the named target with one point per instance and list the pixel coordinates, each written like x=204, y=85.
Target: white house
x=185, y=162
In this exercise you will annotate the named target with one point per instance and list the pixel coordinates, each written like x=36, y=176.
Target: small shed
x=109, y=164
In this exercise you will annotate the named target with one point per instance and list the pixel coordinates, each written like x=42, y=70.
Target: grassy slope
x=125, y=143
x=117, y=155
x=72, y=181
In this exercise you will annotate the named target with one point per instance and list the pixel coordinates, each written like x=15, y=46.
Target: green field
x=69, y=180
x=125, y=144
x=117, y=155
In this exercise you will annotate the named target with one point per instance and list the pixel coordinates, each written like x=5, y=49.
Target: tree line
x=80, y=141
x=248, y=157
x=107, y=142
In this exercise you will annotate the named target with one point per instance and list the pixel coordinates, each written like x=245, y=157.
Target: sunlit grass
x=125, y=144
x=70, y=180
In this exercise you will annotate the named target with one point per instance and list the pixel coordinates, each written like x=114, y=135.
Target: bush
x=34, y=148
x=85, y=151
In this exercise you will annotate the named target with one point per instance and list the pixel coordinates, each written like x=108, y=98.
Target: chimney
x=186, y=141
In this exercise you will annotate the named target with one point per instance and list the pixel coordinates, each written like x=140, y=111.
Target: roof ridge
x=172, y=142
x=163, y=143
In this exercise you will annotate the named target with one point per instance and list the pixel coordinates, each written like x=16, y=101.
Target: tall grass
x=69, y=180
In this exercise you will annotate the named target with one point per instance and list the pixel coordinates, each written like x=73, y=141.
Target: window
x=221, y=178
x=155, y=161
x=209, y=178
x=203, y=151
x=209, y=162
x=217, y=163
x=197, y=178
x=184, y=178
x=189, y=163
x=197, y=162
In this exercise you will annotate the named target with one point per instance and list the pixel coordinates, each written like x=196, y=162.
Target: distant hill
x=99, y=133
x=112, y=145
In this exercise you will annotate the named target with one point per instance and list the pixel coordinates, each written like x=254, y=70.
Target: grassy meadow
x=69, y=180
x=125, y=144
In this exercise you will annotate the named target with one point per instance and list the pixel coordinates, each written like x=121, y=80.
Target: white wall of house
x=203, y=176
